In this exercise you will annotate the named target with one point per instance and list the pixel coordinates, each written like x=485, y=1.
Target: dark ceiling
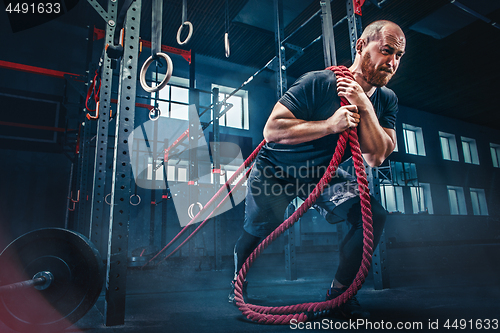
x=454, y=75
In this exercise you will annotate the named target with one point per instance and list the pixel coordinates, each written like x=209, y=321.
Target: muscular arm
x=376, y=142
x=283, y=127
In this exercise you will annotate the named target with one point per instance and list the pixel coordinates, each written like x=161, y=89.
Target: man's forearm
x=294, y=131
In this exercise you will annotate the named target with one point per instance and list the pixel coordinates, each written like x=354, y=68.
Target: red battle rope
x=242, y=167
x=300, y=312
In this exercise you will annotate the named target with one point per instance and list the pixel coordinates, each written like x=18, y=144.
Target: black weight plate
x=78, y=273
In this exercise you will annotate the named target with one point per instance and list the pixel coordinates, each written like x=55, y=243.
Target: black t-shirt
x=313, y=97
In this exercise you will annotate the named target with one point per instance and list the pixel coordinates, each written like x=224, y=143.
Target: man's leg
x=265, y=205
x=243, y=248
x=351, y=249
x=335, y=208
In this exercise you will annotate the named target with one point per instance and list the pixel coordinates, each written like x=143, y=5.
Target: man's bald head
x=372, y=31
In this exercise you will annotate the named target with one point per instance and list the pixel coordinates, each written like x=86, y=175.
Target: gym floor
x=427, y=284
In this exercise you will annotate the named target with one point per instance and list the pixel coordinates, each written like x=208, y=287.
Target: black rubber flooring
x=430, y=286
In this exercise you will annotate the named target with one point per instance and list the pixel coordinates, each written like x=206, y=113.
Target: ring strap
x=156, y=27
x=184, y=11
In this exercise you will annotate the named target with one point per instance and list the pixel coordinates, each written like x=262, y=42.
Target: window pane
x=400, y=204
x=390, y=198
x=452, y=194
x=475, y=203
x=466, y=148
x=162, y=94
x=411, y=142
x=494, y=156
x=179, y=111
x=182, y=174
x=222, y=119
x=234, y=115
x=417, y=198
x=382, y=196
x=445, y=147
x=414, y=199
x=149, y=173
x=180, y=94
x=159, y=171
x=171, y=172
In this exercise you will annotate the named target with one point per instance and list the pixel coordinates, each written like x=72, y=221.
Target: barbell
x=49, y=279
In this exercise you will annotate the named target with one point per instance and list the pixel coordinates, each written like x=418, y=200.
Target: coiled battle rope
x=303, y=312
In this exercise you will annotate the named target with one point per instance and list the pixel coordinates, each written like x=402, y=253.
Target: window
x=421, y=198
x=177, y=171
x=182, y=174
x=392, y=198
x=414, y=140
x=237, y=115
x=448, y=146
x=158, y=168
x=173, y=98
x=470, y=150
x=478, y=200
x=495, y=154
x=457, y=200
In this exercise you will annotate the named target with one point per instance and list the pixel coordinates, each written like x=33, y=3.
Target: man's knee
x=246, y=243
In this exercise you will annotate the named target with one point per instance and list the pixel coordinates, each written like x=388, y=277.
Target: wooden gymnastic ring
x=144, y=69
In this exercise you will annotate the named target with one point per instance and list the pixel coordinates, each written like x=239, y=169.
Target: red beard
x=377, y=77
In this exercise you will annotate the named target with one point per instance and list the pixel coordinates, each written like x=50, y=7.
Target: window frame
x=172, y=105
x=421, y=194
x=419, y=148
x=495, y=154
x=224, y=91
x=397, y=193
x=459, y=200
x=469, y=145
x=479, y=206
x=451, y=144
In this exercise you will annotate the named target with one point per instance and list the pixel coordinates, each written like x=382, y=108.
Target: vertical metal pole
x=379, y=258
x=279, y=34
x=290, y=261
x=165, y=199
x=152, y=216
x=216, y=161
x=328, y=36
x=116, y=273
x=84, y=158
x=355, y=28
x=81, y=218
x=194, y=134
x=69, y=197
x=98, y=233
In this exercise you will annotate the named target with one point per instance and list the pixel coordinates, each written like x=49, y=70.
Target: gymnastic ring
x=138, y=202
x=190, y=209
x=152, y=112
x=226, y=45
x=144, y=69
x=106, y=199
x=190, y=25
